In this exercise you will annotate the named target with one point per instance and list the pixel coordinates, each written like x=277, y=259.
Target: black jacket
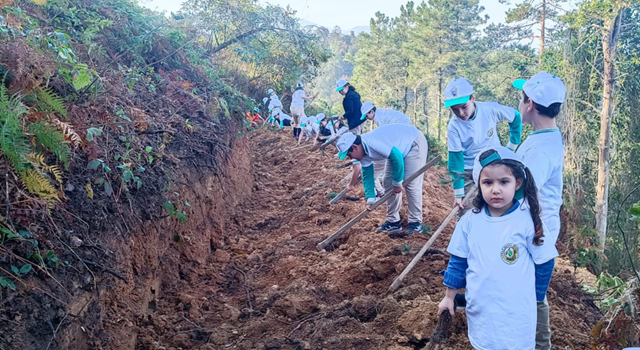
x=352, y=105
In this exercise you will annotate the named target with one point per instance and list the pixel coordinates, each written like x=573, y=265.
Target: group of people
x=503, y=249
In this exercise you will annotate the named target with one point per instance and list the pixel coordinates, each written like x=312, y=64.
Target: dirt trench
x=244, y=273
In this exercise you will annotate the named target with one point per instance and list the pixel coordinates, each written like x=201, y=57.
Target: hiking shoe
x=414, y=227
x=390, y=227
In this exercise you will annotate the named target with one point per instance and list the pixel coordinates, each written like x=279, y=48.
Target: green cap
x=519, y=83
x=456, y=101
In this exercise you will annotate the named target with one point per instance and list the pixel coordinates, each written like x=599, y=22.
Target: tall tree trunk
x=424, y=109
x=439, y=104
x=610, y=38
x=543, y=17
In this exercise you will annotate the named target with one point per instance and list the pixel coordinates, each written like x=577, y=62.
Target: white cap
x=366, y=108
x=269, y=92
x=543, y=88
x=304, y=119
x=312, y=119
x=319, y=117
x=275, y=112
x=265, y=100
x=500, y=153
x=340, y=83
x=344, y=142
x=458, y=91
x=299, y=85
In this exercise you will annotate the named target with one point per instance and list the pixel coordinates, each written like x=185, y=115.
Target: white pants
x=415, y=160
x=297, y=113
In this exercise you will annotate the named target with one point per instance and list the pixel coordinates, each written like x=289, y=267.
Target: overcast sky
x=346, y=14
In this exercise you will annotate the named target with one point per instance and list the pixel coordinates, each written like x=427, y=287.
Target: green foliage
x=53, y=140
x=609, y=290
x=172, y=211
x=92, y=133
x=13, y=142
x=48, y=101
x=405, y=248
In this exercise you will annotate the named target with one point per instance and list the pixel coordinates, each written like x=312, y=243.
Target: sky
x=346, y=14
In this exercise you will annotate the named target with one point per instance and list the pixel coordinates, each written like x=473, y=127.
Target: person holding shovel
x=404, y=148
x=543, y=152
x=471, y=129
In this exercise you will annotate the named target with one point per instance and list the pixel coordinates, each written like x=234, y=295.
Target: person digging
x=404, y=148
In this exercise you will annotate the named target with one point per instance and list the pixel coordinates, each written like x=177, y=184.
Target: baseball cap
x=265, y=100
x=269, y=92
x=275, y=112
x=340, y=83
x=458, y=91
x=499, y=153
x=319, y=117
x=543, y=88
x=344, y=143
x=366, y=108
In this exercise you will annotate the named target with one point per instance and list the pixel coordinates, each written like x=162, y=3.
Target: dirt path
x=267, y=287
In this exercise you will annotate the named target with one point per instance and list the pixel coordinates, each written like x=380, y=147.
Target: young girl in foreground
x=493, y=255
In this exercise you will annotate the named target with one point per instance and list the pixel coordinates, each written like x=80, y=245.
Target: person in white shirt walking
x=543, y=152
x=383, y=116
x=471, y=129
x=404, y=148
x=297, y=108
x=496, y=255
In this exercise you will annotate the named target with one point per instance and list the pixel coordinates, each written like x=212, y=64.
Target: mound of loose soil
x=265, y=286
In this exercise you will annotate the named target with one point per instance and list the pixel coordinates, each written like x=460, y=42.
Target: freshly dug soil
x=244, y=273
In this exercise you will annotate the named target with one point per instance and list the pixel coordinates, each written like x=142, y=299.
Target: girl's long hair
x=520, y=172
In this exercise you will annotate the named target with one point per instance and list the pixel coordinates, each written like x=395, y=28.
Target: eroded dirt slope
x=263, y=285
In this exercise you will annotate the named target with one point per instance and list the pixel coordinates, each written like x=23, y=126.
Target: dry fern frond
x=38, y=162
x=38, y=185
x=69, y=134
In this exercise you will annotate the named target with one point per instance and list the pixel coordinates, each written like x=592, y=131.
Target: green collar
x=544, y=131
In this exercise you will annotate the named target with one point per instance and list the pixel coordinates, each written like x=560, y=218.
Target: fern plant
x=49, y=101
x=13, y=141
x=52, y=139
x=38, y=184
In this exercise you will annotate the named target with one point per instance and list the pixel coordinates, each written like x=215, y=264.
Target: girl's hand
x=446, y=304
x=397, y=189
x=458, y=202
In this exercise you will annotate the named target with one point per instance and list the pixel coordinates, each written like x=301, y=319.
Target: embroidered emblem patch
x=490, y=133
x=509, y=254
x=454, y=92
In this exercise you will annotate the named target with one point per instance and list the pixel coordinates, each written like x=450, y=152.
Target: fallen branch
x=322, y=245
x=427, y=245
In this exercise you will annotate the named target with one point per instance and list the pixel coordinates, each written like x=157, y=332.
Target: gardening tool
x=444, y=224
x=441, y=333
x=340, y=195
x=366, y=212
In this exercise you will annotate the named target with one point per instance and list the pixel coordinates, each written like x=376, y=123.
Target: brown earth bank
x=243, y=271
